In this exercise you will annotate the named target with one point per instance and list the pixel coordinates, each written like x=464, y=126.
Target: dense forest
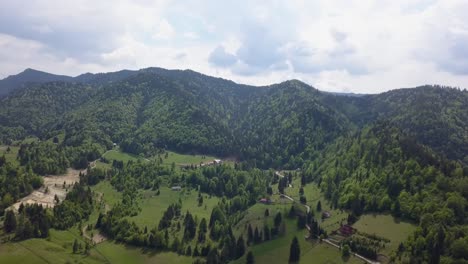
x=403, y=152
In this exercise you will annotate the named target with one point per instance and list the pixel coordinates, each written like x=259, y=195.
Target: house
x=176, y=188
x=217, y=161
x=265, y=201
x=326, y=214
x=346, y=230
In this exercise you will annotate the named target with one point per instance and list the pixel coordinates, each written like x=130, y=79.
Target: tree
x=240, y=247
x=319, y=206
x=250, y=235
x=278, y=219
x=250, y=258
x=292, y=212
x=75, y=246
x=266, y=233
x=294, y=251
x=257, y=236
x=345, y=251
x=267, y=212
x=10, y=221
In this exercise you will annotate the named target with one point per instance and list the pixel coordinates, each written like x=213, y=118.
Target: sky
x=361, y=46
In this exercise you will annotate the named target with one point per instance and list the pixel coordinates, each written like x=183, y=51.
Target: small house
x=346, y=230
x=265, y=201
x=217, y=161
x=326, y=214
x=176, y=188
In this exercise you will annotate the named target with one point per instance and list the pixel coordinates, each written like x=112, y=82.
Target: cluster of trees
x=31, y=221
x=16, y=182
x=77, y=206
x=362, y=246
x=43, y=157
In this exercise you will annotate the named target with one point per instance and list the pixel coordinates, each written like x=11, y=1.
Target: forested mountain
x=273, y=126
x=14, y=82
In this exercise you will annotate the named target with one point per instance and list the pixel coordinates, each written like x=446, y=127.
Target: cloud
x=219, y=57
x=349, y=45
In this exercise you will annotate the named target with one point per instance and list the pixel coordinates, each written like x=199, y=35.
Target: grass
x=118, y=253
x=385, y=226
x=58, y=249
x=110, y=195
x=116, y=154
x=11, y=155
x=153, y=207
x=180, y=159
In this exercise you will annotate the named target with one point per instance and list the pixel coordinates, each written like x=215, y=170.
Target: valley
x=162, y=166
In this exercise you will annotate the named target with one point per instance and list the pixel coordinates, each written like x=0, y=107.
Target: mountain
x=14, y=82
x=279, y=125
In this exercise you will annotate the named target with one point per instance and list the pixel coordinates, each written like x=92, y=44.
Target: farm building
x=326, y=214
x=176, y=188
x=346, y=230
x=217, y=161
x=265, y=201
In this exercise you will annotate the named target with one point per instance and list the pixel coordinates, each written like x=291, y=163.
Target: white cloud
x=343, y=45
x=164, y=30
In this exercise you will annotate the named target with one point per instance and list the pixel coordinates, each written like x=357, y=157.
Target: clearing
x=53, y=185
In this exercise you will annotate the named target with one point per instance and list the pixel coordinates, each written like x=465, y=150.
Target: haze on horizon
x=340, y=46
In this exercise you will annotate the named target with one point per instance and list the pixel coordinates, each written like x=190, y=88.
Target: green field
x=180, y=159
x=116, y=154
x=153, y=206
x=172, y=157
x=110, y=195
x=118, y=253
x=58, y=249
x=385, y=226
x=11, y=155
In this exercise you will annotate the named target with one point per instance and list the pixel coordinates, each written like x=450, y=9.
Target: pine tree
x=295, y=251
x=319, y=206
x=10, y=221
x=303, y=180
x=250, y=258
x=250, y=236
x=266, y=233
x=75, y=246
x=240, y=247
x=257, y=237
x=278, y=219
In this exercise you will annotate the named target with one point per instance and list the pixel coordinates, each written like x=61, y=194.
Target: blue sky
x=345, y=46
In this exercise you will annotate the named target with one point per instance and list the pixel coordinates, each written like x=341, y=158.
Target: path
x=325, y=240
x=96, y=239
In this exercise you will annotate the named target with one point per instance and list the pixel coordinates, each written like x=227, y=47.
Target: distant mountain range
x=187, y=111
